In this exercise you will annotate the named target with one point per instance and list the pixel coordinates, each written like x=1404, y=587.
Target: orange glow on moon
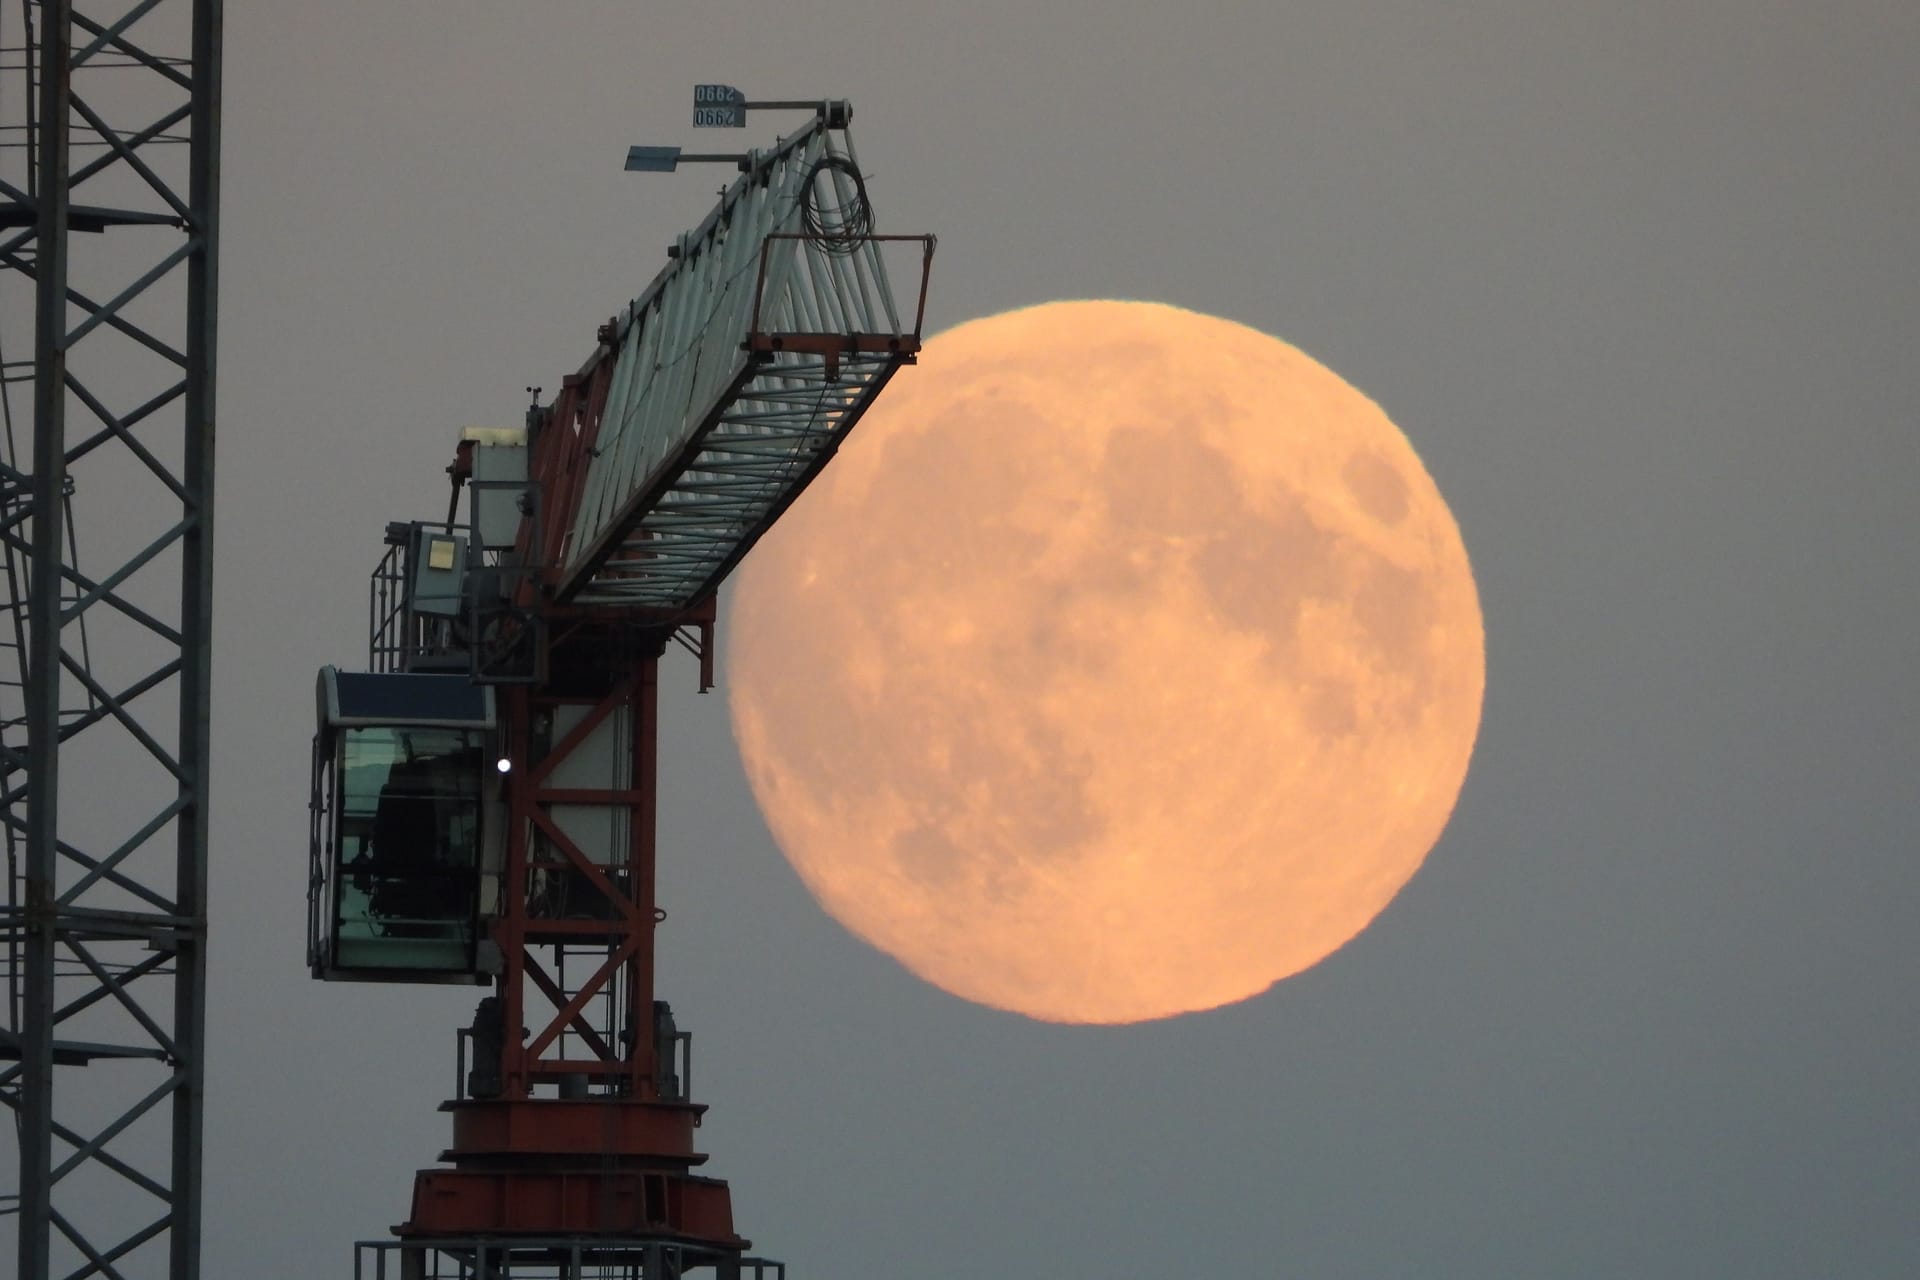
x=1125, y=662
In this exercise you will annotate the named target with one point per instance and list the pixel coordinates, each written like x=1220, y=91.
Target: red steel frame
x=531, y=797
x=618, y=1159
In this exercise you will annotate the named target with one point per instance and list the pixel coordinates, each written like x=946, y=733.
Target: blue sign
x=719, y=106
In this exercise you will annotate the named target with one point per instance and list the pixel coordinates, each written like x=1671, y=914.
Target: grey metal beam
x=196, y=614
x=43, y=653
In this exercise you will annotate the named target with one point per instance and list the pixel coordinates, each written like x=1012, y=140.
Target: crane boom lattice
x=728, y=383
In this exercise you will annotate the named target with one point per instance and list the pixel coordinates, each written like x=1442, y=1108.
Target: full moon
x=1125, y=662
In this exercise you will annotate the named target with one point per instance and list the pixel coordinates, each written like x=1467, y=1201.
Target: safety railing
x=550, y=1258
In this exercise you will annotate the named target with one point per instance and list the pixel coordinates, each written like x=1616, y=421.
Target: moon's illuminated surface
x=1125, y=662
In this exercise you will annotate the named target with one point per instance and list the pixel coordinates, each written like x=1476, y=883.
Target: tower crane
x=484, y=795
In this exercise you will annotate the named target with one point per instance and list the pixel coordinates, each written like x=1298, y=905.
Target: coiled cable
x=841, y=230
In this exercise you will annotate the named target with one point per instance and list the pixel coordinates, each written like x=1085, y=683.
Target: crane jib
x=727, y=384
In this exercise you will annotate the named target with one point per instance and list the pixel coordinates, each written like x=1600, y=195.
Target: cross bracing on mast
x=109, y=127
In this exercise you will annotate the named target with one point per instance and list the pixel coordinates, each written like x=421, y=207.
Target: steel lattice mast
x=109, y=182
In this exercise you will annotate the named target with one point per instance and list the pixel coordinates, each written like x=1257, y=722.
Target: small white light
x=504, y=765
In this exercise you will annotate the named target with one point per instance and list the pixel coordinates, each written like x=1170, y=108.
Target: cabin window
x=407, y=846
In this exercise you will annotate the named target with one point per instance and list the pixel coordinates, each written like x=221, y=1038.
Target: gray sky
x=1638, y=282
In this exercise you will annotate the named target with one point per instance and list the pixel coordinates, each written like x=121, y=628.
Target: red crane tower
x=484, y=796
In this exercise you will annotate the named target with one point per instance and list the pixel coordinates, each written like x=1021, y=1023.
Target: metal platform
x=549, y=1258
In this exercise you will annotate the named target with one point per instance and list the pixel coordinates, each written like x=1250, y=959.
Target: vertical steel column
x=510, y=928
x=643, y=723
x=196, y=644
x=44, y=603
